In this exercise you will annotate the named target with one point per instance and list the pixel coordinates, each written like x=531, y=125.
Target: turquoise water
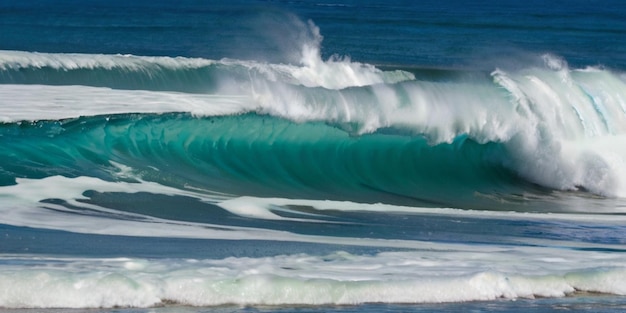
x=312, y=156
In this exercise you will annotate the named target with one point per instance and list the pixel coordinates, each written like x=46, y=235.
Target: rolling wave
x=269, y=157
x=322, y=129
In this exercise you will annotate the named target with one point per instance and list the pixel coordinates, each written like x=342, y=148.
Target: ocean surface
x=312, y=156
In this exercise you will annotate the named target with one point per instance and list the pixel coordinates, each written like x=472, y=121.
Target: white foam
x=269, y=204
x=429, y=272
x=17, y=60
x=24, y=205
x=573, y=126
x=41, y=102
x=340, y=278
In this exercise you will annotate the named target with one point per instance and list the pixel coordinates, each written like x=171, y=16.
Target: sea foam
x=339, y=279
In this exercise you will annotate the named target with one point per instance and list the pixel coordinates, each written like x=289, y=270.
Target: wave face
x=131, y=180
x=269, y=157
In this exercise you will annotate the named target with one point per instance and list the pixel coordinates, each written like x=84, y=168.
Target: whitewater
x=313, y=182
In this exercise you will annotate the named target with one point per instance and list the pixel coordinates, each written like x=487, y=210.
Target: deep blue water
x=424, y=33
x=300, y=156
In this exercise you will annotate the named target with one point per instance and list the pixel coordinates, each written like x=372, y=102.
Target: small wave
x=185, y=74
x=336, y=279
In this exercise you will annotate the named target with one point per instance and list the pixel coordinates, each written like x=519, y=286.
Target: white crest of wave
x=564, y=128
x=20, y=60
x=336, y=72
x=310, y=71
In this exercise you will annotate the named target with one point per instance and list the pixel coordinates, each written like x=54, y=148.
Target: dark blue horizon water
x=451, y=34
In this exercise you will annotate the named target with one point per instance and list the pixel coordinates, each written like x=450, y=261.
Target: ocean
x=312, y=156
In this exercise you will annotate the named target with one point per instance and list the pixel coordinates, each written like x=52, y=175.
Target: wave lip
x=573, y=123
